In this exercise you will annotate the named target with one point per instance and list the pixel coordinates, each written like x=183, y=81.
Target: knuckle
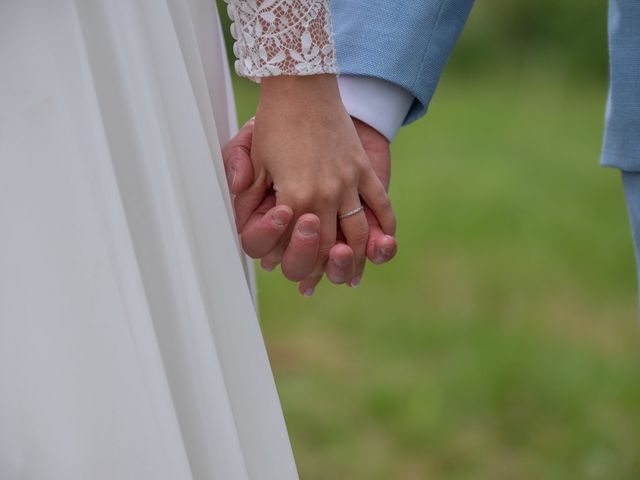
x=351, y=171
x=330, y=191
x=296, y=198
x=363, y=163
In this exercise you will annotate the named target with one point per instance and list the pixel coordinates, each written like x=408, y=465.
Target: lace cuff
x=282, y=37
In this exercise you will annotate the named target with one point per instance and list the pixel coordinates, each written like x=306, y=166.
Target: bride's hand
x=306, y=146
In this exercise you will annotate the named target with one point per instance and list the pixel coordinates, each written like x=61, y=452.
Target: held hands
x=293, y=171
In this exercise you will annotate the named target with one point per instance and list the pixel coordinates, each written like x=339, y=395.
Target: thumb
x=249, y=200
x=380, y=247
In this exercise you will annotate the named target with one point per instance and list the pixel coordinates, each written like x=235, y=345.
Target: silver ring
x=350, y=213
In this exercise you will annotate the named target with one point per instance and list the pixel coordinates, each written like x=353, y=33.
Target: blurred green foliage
x=558, y=34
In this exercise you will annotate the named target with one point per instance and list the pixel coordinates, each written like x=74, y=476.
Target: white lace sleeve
x=282, y=37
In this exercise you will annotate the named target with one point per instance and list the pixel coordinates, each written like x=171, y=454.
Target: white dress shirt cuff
x=381, y=104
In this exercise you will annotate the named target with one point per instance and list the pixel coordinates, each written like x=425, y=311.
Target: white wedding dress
x=129, y=343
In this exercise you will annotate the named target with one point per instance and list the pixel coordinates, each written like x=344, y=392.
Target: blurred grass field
x=502, y=342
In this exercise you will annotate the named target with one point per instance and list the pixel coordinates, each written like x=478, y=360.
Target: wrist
x=370, y=133
x=300, y=91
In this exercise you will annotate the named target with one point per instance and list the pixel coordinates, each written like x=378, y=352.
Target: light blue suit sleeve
x=406, y=42
x=622, y=138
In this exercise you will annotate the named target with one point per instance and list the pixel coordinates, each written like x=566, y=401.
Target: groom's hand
x=381, y=248
x=262, y=225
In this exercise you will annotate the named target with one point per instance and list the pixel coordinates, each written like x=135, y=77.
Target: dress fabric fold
x=129, y=342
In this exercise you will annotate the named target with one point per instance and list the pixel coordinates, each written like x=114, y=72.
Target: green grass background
x=502, y=342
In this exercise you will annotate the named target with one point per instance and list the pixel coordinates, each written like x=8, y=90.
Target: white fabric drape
x=129, y=343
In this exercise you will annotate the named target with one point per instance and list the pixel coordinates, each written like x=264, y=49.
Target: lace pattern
x=282, y=37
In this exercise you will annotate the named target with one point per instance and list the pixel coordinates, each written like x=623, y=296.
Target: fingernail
x=308, y=229
x=355, y=282
x=384, y=254
x=309, y=292
x=250, y=121
x=341, y=262
x=267, y=266
x=280, y=218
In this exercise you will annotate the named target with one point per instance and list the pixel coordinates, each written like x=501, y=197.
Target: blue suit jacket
x=407, y=42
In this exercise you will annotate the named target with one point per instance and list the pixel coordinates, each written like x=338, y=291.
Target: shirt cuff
x=378, y=103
